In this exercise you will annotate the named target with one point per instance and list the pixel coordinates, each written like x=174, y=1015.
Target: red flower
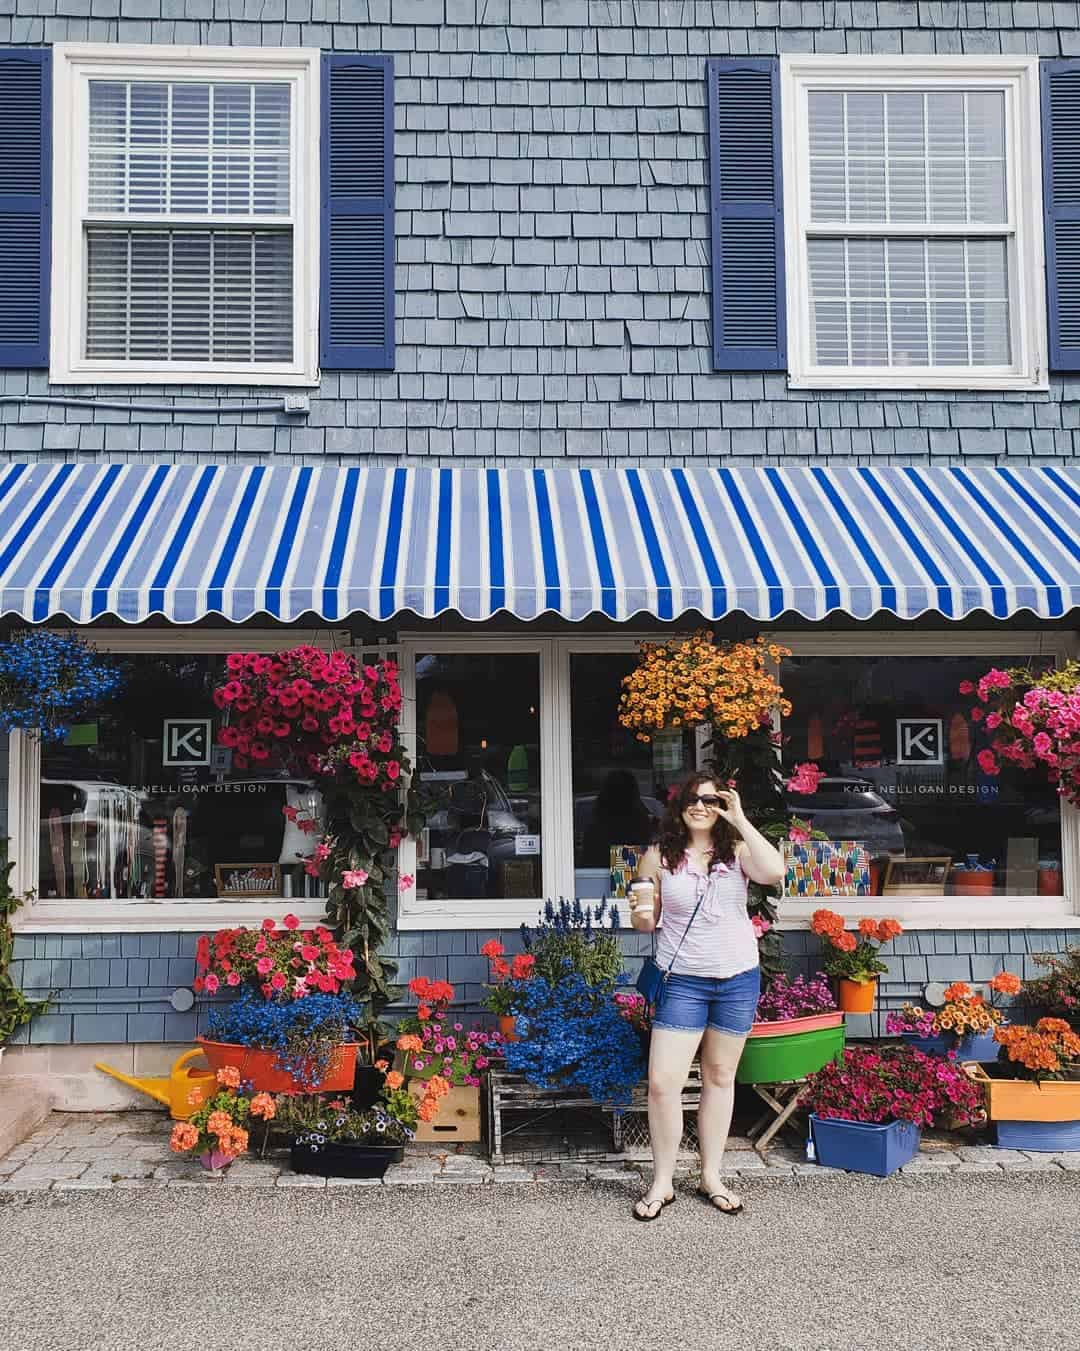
x=492, y=948
x=521, y=968
x=291, y=922
x=268, y=925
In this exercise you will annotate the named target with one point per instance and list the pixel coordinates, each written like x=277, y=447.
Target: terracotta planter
x=1023, y=1100
x=966, y=882
x=260, y=1068
x=856, y=996
x=507, y=1026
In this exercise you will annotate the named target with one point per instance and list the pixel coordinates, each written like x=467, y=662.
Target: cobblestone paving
x=101, y=1151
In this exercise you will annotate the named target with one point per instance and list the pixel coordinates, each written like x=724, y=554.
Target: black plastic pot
x=367, y=1087
x=338, y=1158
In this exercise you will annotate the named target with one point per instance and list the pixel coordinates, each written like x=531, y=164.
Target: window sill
x=926, y=380
x=252, y=376
x=940, y=912
x=173, y=916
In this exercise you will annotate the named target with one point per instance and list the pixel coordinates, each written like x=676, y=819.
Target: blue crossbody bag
x=652, y=978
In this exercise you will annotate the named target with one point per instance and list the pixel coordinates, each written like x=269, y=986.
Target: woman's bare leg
x=670, y=1057
x=720, y=1052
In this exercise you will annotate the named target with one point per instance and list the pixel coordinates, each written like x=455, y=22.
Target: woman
x=706, y=852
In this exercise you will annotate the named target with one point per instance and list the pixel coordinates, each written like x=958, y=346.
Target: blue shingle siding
x=552, y=281
x=127, y=1002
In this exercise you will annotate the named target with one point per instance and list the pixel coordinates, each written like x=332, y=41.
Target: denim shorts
x=692, y=1003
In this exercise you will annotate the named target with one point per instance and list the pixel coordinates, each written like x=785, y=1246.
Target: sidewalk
x=130, y=1150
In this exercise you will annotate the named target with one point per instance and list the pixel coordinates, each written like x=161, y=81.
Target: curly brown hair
x=674, y=837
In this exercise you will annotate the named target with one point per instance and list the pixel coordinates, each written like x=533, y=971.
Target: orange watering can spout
x=183, y=1092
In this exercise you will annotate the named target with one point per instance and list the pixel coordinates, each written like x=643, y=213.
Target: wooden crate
x=458, y=1120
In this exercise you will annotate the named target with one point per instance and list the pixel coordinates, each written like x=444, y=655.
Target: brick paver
x=98, y=1152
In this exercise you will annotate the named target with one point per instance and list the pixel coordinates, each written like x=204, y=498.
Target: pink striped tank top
x=721, y=942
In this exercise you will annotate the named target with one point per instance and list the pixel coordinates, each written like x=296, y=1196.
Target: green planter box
x=776, y=1060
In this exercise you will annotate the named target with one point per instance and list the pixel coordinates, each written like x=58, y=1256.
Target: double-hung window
x=913, y=207
x=191, y=215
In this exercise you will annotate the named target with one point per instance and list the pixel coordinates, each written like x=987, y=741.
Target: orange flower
x=437, y=1086
x=844, y=941
x=262, y=1104
x=889, y=929
x=383, y=1065
x=423, y=1013
x=957, y=990
x=394, y=1080
x=184, y=1136
x=868, y=928
x=409, y=1042
x=219, y=1123
x=235, y=1142
x=1006, y=983
x=826, y=923
x=229, y=1077
x=428, y=1109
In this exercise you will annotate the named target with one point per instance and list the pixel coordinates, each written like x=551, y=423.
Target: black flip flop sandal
x=718, y=1201
x=663, y=1204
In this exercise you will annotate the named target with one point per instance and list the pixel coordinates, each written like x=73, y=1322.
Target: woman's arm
x=761, y=861
x=648, y=870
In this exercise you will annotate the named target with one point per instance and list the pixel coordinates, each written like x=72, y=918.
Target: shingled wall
x=552, y=241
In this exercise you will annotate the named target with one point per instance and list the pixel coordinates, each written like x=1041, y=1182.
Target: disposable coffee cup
x=641, y=894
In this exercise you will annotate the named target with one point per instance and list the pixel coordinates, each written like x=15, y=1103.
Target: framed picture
x=916, y=876
x=248, y=879
x=518, y=878
x=624, y=859
x=826, y=868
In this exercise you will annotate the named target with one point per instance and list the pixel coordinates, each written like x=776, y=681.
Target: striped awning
x=187, y=541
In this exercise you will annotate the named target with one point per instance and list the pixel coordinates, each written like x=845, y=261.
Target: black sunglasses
x=709, y=800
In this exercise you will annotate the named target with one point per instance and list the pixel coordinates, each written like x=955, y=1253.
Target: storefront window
x=139, y=802
x=902, y=779
x=478, y=756
x=620, y=784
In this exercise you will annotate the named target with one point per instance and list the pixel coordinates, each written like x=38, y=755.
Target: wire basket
x=635, y=1134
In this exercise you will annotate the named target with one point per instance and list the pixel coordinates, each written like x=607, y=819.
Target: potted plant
x=1033, y=1091
x=501, y=998
x=218, y=1132
x=291, y=1046
x=332, y=1138
x=797, y=1029
x=868, y=1108
x=15, y=1009
x=1058, y=992
x=854, y=963
x=963, y=1027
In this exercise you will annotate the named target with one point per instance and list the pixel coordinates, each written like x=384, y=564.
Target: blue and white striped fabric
x=185, y=541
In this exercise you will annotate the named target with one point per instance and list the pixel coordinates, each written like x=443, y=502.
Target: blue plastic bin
x=979, y=1046
x=860, y=1147
x=1049, y=1137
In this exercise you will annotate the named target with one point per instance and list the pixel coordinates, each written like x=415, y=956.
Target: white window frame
x=74, y=64
x=174, y=915
x=557, y=824
x=1019, y=78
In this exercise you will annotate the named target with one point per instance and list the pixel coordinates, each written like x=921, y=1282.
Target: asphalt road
x=967, y=1263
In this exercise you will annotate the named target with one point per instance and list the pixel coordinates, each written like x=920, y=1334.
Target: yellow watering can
x=183, y=1092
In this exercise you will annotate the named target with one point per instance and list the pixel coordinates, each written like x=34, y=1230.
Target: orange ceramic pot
x=507, y=1026
x=1049, y=883
x=260, y=1068
x=968, y=883
x=855, y=996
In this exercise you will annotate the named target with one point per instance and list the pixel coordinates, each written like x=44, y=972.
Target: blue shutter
x=356, y=311
x=25, y=205
x=1061, y=206
x=749, y=331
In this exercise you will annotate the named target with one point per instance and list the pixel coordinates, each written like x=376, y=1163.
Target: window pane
x=909, y=302
x=620, y=783
x=194, y=295
x=478, y=752
x=118, y=822
x=159, y=148
x=902, y=774
x=907, y=156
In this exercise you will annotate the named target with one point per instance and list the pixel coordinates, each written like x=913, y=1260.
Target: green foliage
x=571, y=939
x=15, y=1009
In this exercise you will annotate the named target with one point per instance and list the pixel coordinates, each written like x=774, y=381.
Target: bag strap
x=682, y=940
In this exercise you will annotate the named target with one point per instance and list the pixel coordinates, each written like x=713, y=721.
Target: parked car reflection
x=850, y=809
